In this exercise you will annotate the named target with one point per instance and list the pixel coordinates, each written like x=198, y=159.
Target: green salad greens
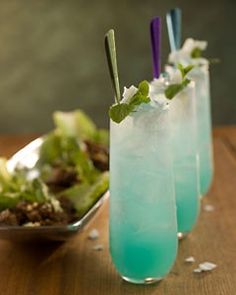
x=72, y=166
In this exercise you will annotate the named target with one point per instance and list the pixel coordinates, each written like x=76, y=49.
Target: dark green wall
x=52, y=55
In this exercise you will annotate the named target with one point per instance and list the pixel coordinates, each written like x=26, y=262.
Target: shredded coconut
x=94, y=234
x=190, y=259
x=98, y=247
x=129, y=93
x=197, y=270
x=209, y=208
x=205, y=266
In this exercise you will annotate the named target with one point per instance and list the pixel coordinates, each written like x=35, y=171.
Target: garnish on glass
x=122, y=108
x=173, y=89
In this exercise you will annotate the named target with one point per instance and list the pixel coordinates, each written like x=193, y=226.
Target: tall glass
x=200, y=76
x=184, y=150
x=143, y=228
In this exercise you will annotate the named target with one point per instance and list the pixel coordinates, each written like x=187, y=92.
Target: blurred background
x=52, y=55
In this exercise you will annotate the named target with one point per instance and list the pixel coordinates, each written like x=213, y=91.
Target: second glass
x=185, y=154
x=200, y=75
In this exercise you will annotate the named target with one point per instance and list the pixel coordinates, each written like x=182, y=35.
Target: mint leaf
x=143, y=87
x=185, y=82
x=138, y=99
x=173, y=89
x=196, y=53
x=120, y=111
x=142, y=95
x=185, y=70
x=83, y=196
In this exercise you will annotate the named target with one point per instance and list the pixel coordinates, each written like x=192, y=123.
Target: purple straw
x=155, y=30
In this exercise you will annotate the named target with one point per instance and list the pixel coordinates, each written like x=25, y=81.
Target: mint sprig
x=119, y=111
x=172, y=90
x=185, y=70
x=196, y=52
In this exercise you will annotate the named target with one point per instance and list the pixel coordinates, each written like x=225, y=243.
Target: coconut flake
x=209, y=208
x=129, y=93
x=197, y=270
x=190, y=259
x=207, y=266
x=94, y=234
x=98, y=247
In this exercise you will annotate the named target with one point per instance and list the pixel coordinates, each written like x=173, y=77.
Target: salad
x=70, y=175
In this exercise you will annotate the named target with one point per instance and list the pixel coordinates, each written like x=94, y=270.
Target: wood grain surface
x=75, y=268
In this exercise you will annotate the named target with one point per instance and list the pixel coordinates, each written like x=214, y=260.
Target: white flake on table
x=190, y=259
x=94, y=234
x=197, y=270
x=98, y=247
x=209, y=208
x=205, y=266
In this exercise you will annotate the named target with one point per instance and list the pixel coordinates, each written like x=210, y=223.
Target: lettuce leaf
x=83, y=196
x=78, y=124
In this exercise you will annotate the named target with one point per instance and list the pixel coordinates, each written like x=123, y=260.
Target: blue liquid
x=187, y=197
x=140, y=258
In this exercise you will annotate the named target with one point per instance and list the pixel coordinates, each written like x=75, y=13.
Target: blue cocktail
x=190, y=54
x=143, y=229
x=183, y=148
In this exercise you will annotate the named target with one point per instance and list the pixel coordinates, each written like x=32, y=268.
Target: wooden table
x=75, y=268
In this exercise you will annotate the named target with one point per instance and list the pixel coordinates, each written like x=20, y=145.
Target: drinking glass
x=185, y=158
x=200, y=75
x=143, y=227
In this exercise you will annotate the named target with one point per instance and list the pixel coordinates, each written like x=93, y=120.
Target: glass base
x=181, y=236
x=146, y=281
